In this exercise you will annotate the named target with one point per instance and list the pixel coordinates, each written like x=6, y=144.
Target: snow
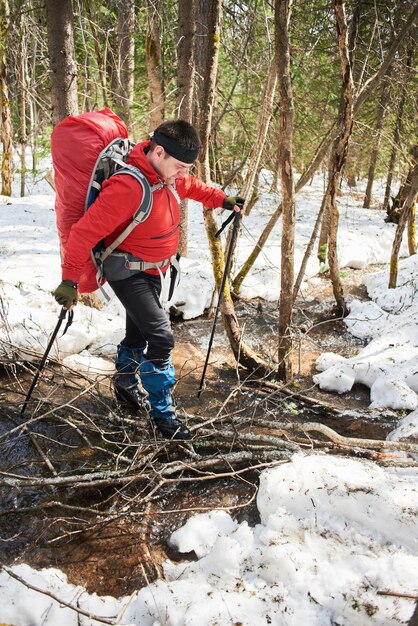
x=333, y=532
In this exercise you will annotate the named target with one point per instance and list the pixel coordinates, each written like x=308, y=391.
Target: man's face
x=167, y=166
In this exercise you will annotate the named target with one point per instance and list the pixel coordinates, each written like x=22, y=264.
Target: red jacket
x=155, y=239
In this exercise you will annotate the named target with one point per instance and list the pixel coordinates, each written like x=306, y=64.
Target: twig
x=91, y=616
x=397, y=594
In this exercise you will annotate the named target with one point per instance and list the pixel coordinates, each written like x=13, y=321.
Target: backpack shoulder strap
x=142, y=211
x=112, y=155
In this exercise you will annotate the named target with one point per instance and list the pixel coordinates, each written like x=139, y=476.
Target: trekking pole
x=41, y=365
x=236, y=217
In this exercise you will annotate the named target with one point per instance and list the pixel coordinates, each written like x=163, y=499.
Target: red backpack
x=86, y=150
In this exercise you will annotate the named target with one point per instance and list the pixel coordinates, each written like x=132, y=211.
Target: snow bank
x=333, y=533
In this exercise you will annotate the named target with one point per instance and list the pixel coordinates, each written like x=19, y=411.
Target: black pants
x=147, y=323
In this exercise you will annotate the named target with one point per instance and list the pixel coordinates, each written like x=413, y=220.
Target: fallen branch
x=113, y=621
x=397, y=594
x=353, y=442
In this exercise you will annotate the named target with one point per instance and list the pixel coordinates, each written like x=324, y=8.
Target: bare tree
x=185, y=88
x=186, y=59
x=396, y=141
x=340, y=152
x=154, y=61
x=22, y=101
x=247, y=357
x=263, y=123
x=6, y=118
x=62, y=61
x=282, y=20
x=376, y=145
x=407, y=196
x=100, y=42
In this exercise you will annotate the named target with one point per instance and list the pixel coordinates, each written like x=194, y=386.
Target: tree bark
x=409, y=194
x=101, y=56
x=6, y=118
x=308, y=251
x=263, y=123
x=126, y=59
x=154, y=62
x=340, y=153
x=22, y=112
x=396, y=142
x=282, y=20
x=243, y=354
x=395, y=148
x=186, y=59
x=376, y=145
x=185, y=89
x=63, y=67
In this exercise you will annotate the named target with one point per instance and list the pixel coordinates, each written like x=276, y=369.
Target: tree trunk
x=186, y=59
x=33, y=111
x=376, y=145
x=185, y=89
x=22, y=112
x=88, y=93
x=308, y=250
x=242, y=352
x=6, y=118
x=412, y=230
x=263, y=123
x=282, y=20
x=396, y=142
x=101, y=56
x=239, y=278
x=154, y=62
x=126, y=59
x=62, y=62
x=409, y=194
x=264, y=118
x=395, y=147
x=340, y=153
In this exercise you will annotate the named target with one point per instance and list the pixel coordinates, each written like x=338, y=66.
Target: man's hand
x=233, y=203
x=66, y=294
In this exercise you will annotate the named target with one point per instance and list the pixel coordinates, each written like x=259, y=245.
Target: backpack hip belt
x=135, y=263
x=121, y=265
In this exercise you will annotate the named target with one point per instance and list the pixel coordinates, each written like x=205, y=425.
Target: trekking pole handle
x=230, y=217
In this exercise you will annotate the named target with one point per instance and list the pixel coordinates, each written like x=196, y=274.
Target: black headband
x=174, y=149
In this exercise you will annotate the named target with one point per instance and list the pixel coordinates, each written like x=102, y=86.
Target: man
x=146, y=349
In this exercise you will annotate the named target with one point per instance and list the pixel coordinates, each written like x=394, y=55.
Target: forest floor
x=124, y=554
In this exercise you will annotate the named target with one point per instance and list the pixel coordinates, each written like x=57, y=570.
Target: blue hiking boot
x=158, y=382
x=125, y=381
